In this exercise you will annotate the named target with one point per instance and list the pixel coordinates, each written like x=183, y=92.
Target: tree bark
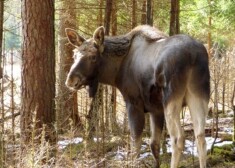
x=93, y=115
x=174, y=18
x=38, y=70
x=209, y=30
x=100, y=16
x=233, y=106
x=107, y=18
x=1, y=33
x=2, y=150
x=133, y=17
x=114, y=19
x=216, y=111
x=143, y=15
x=149, y=13
x=223, y=95
x=67, y=104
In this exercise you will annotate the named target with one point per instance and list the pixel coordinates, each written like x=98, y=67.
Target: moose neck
x=115, y=50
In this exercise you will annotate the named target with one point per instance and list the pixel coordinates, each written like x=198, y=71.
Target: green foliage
x=12, y=40
x=194, y=18
x=12, y=25
x=161, y=15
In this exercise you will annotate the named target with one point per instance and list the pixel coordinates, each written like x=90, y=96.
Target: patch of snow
x=144, y=155
x=62, y=144
x=230, y=113
x=228, y=130
x=120, y=154
x=143, y=147
x=95, y=139
x=192, y=149
x=209, y=121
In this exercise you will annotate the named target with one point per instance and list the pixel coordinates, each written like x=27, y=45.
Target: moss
x=227, y=137
x=224, y=150
x=223, y=154
x=213, y=160
x=223, y=157
x=72, y=150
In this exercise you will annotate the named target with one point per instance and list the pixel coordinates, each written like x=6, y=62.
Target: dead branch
x=9, y=117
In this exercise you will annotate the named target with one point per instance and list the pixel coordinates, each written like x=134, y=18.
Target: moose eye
x=93, y=58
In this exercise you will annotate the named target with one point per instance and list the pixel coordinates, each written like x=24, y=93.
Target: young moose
x=155, y=74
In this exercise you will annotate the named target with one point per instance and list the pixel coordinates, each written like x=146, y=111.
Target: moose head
x=87, y=53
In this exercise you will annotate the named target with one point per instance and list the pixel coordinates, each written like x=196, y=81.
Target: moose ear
x=74, y=38
x=99, y=38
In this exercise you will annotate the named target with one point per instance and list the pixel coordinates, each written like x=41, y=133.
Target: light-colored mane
x=148, y=32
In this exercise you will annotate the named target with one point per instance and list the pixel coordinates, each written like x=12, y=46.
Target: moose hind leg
x=198, y=109
x=156, y=122
x=136, y=123
x=172, y=115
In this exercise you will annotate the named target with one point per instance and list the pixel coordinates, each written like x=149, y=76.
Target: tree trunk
x=107, y=18
x=38, y=70
x=100, y=16
x=233, y=105
x=143, y=15
x=149, y=13
x=209, y=30
x=133, y=17
x=177, y=17
x=1, y=33
x=114, y=19
x=223, y=95
x=113, y=101
x=93, y=115
x=174, y=18
x=66, y=100
x=2, y=153
x=216, y=111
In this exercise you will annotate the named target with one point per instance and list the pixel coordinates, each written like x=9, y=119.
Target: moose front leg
x=136, y=123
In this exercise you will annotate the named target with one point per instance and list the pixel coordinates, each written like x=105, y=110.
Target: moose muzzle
x=74, y=82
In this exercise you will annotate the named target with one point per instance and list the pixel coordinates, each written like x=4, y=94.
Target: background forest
x=43, y=124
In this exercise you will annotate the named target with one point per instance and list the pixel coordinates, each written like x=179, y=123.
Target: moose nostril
x=72, y=82
x=69, y=82
x=76, y=84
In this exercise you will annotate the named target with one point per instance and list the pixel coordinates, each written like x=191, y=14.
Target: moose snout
x=73, y=82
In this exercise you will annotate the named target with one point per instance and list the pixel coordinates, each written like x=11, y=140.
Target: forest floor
x=113, y=152
x=223, y=157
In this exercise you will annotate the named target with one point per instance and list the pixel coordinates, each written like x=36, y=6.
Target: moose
x=155, y=73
